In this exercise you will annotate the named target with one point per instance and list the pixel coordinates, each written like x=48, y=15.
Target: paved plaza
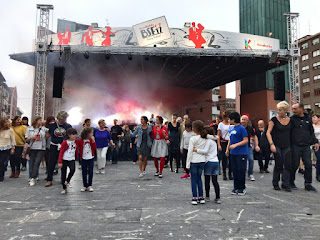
x=124, y=206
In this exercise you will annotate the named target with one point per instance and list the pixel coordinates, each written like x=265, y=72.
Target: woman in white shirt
x=36, y=137
x=316, y=126
x=212, y=165
x=196, y=161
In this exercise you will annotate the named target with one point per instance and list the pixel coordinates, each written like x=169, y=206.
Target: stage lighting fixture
x=269, y=34
x=129, y=57
x=86, y=55
x=67, y=53
x=187, y=24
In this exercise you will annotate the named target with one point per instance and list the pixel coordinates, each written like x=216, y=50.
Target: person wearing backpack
x=261, y=133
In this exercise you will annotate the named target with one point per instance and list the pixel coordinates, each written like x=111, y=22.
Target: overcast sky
x=18, y=21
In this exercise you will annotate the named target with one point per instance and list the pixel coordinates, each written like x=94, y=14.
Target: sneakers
x=83, y=189
x=194, y=201
x=32, y=182
x=98, y=171
x=69, y=185
x=261, y=171
x=230, y=177
x=144, y=173
x=160, y=175
x=90, y=189
x=156, y=174
x=251, y=178
x=293, y=186
x=287, y=189
x=225, y=177
x=242, y=192
x=185, y=176
x=201, y=200
x=217, y=201
x=64, y=191
x=79, y=167
x=207, y=199
x=277, y=188
x=23, y=168
x=309, y=187
x=102, y=171
x=176, y=171
x=266, y=171
x=234, y=192
x=141, y=175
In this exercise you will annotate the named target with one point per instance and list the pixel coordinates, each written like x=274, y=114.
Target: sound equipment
x=279, y=86
x=58, y=80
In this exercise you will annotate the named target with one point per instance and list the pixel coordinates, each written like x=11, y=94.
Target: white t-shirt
x=194, y=157
x=70, y=153
x=224, y=131
x=185, y=139
x=210, y=150
x=40, y=142
x=87, y=152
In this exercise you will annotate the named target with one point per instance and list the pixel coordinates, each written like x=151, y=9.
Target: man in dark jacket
x=302, y=137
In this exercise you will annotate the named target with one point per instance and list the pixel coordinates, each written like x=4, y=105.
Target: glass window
x=305, y=69
x=304, y=46
x=306, y=94
x=317, y=92
x=316, y=78
x=305, y=57
x=315, y=41
x=305, y=81
x=316, y=53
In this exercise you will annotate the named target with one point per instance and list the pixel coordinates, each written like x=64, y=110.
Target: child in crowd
x=187, y=134
x=88, y=147
x=69, y=151
x=211, y=167
x=238, y=150
x=196, y=161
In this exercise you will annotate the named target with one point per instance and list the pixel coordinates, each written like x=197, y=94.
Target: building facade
x=264, y=18
x=310, y=72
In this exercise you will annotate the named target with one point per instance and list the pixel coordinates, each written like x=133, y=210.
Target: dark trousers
x=134, y=155
x=116, y=152
x=266, y=155
x=184, y=160
x=282, y=159
x=174, y=154
x=125, y=151
x=215, y=184
x=239, y=164
x=225, y=160
x=53, y=160
x=24, y=162
x=87, y=171
x=35, y=160
x=303, y=152
x=15, y=159
x=46, y=158
x=317, y=164
x=72, y=166
x=3, y=156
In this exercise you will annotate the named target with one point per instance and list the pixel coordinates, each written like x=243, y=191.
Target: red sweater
x=64, y=147
x=160, y=131
x=93, y=146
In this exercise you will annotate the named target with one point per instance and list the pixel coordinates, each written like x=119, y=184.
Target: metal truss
x=293, y=47
x=173, y=51
x=41, y=67
x=56, y=106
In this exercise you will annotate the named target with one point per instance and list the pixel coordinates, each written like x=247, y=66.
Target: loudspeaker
x=58, y=80
x=279, y=86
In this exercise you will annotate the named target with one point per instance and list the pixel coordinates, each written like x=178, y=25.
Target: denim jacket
x=139, y=132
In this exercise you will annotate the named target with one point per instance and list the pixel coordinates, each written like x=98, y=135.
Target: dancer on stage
x=160, y=145
x=144, y=144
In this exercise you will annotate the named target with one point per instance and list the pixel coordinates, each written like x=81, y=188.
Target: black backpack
x=264, y=143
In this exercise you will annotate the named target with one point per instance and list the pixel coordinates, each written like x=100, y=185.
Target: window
x=305, y=69
x=315, y=41
x=316, y=53
x=316, y=65
x=317, y=92
x=305, y=57
x=305, y=81
x=316, y=78
x=304, y=46
x=307, y=106
x=306, y=94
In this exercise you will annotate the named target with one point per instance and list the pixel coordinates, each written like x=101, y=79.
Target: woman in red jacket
x=160, y=145
x=88, y=147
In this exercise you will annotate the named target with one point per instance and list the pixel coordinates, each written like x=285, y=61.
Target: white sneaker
x=194, y=201
x=202, y=201
x=251, y=177
x=32, y=182
x=98, y=172
x=141, y=175
x=144, y=173
x=156, y=174
x=102, y=171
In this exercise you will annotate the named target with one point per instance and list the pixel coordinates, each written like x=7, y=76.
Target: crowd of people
x=231, y=143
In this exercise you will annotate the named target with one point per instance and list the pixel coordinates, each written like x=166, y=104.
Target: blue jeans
x=116, y=151
x=196, y=181
x=87, y=169
x=250, y=160
x=238, y=163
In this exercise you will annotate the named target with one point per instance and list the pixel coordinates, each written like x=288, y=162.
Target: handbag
x=29, y=148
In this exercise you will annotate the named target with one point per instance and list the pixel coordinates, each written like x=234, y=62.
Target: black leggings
x=224, y=159
x=72, y=167
x=174, y=154
x=15, y=159
x=215, y=184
